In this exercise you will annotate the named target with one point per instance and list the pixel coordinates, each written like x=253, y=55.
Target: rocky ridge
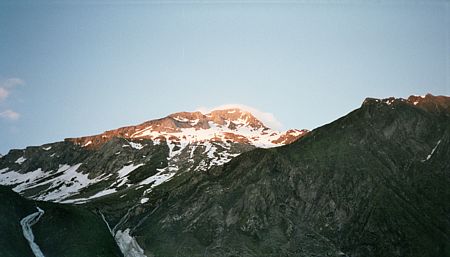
x=136, y=157
x=428, y=102
x=224, y=126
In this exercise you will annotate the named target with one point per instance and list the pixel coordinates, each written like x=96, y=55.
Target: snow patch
x=11, y=177
x=88, y=143
x=194, y=122
x=128, y=245
x=84, y=200
x=180, y=119
x=157, y=179
x=64, y=182
x=295, y=133
x=65, y=185
x=432, y=151
x=136, y=145
x=162, y=176
x=122, y=179
x=127, y=169
x=20, y=160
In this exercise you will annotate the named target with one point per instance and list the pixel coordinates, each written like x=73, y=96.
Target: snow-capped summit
x=226, y=126
x=136, y=157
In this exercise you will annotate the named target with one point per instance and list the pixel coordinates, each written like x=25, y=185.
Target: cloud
x=265, y=117
x=6, y=85
x=9, y=115
x=4, y=93
x=11, y=82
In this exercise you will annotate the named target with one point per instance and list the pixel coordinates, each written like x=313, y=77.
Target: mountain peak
x=226, y=125
x=236, y=116
x=231, y=118
x=181, y=141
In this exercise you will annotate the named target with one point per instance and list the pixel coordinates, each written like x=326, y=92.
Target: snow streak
x=26, y=224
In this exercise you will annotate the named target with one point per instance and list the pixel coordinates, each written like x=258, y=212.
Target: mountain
x=372, y=183
x=221, y=126
x=136, y=157
x=375, y=182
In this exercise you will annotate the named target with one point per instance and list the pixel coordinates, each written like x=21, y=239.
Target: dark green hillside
x=12, y=210
x=360, y=186
x=63, y=231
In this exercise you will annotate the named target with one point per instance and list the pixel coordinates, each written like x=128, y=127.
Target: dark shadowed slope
x=373, y=183
x=62, y=231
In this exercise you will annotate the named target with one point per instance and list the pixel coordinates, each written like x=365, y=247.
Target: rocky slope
x=373, y=183
x=136, y=157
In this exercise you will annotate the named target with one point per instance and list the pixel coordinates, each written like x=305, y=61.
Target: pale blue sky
x=80, y=69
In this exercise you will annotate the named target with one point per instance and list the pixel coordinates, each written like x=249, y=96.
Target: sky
x=70, y=69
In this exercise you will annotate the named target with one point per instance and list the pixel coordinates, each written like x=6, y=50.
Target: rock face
x=375, y=182
x=136, y=157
